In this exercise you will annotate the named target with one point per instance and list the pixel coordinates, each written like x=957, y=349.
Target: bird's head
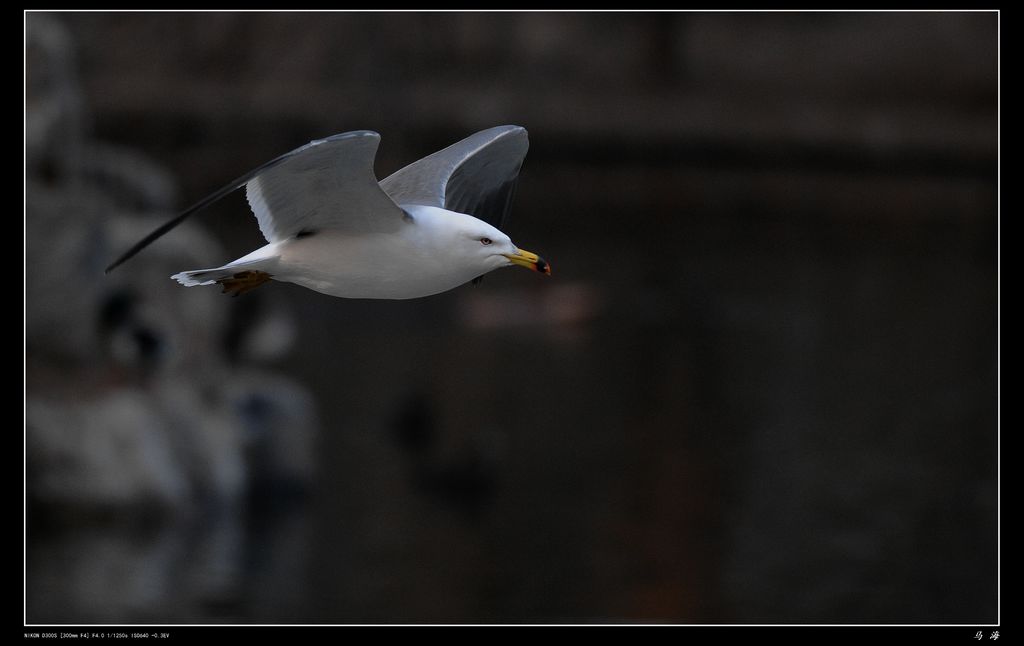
x=470, y=242
x=491, y=248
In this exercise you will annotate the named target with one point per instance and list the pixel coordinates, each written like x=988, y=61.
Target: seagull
x=332, y=227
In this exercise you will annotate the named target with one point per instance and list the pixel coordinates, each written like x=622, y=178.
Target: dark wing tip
x=162, y=229
x=136, y=248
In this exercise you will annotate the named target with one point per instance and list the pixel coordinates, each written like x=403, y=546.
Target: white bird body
x=331, y=227
x=420, y=259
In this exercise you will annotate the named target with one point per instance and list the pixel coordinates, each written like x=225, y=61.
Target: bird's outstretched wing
x=328, y=183
x=477, y=175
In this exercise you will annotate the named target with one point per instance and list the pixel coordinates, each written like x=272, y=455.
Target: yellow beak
x=530, y=261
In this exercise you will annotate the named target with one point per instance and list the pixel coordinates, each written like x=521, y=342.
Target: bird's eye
x=485, y=241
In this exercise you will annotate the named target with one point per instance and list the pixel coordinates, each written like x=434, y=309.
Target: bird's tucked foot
x=243, y=281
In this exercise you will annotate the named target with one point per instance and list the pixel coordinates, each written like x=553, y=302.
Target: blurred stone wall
x=760, y=385
x=146, y=415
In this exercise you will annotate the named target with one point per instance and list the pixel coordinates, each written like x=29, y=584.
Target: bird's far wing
x=477, y=175
x=328, y=183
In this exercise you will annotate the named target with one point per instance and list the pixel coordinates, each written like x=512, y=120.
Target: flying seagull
x=332, y=227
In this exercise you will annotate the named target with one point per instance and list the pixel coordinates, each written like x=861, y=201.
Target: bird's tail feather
x=202, y=276
x=236, y=278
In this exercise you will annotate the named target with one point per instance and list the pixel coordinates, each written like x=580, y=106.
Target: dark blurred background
x=760, y=385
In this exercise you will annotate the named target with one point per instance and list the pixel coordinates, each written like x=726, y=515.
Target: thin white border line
x=999, y=319
x=648, y=624
x=367, y=10
x=24, y=318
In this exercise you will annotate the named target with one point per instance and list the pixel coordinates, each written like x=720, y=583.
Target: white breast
x=418, y=260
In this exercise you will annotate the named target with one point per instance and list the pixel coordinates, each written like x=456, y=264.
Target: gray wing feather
x=477, y=175
x=326, y=184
